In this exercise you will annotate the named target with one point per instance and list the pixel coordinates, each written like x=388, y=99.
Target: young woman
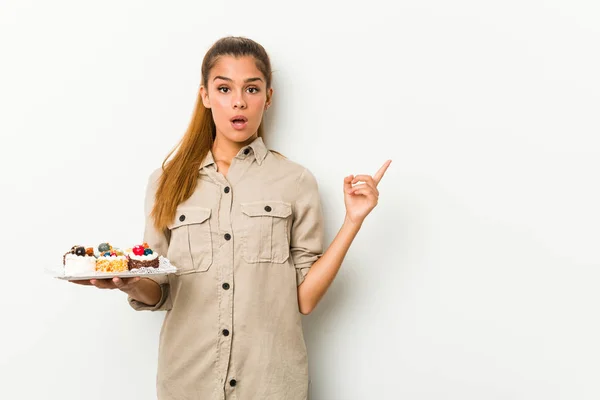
x=244, y=226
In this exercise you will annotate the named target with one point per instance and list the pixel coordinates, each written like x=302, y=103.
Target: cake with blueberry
x=79, y=261
x=110, y=259
x=142, y=256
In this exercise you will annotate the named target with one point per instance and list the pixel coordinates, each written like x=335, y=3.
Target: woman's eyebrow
x=230, y=80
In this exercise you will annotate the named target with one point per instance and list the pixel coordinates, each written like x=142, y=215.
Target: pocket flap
x=190, y=215
x=267, y=208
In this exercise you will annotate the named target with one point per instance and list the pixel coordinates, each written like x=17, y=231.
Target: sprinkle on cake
x=111, y=259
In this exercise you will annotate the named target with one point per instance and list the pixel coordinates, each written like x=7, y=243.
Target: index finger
x=379, y=174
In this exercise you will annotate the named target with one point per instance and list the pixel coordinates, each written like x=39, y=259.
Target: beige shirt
x=242, y=244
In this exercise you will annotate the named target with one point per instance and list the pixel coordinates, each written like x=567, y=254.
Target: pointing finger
x=379, y=174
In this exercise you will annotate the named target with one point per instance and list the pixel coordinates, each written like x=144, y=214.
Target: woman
x=244, y=226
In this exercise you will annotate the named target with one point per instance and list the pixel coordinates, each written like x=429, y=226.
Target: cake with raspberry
x=142, y=256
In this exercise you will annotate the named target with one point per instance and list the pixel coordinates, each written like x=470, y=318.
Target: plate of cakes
x=106, y=261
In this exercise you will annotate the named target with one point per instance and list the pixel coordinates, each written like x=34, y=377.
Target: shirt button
x=226, y=189
x=226, y=286
x=182, y=218
x=268, y=208
x=233, y=382
x=225, y=332
x=246, y=151
x=227, y=236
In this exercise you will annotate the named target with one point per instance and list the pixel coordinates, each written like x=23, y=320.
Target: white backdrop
x=474, y=278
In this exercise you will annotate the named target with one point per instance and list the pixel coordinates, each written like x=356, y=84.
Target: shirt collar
x=208, y=160
x=257, y=147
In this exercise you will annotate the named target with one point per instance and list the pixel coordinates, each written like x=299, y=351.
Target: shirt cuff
x=302, y=271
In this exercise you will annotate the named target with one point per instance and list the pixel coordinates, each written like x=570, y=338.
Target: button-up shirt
x=242, y=244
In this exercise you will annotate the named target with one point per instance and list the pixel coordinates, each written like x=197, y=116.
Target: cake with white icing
x=79, y=261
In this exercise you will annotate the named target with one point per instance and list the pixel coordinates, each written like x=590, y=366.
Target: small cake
x=142, y=256
x=79, y=261
x=110, y=259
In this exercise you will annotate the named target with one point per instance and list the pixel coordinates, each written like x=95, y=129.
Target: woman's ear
x=269, y=98
x=204, y=95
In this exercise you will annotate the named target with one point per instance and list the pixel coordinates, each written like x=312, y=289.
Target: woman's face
x=237, y=96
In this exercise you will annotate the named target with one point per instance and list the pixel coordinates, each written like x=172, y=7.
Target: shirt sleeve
x=306, y=244
x=158, y=240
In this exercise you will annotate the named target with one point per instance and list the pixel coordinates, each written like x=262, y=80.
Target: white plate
x=164, y=268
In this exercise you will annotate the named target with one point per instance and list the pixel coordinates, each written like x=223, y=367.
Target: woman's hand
x=144, y=290
x=361, y=198
x=124, y=284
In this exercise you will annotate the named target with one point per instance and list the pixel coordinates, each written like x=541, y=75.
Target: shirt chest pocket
x=190, y=247
x=265, y=231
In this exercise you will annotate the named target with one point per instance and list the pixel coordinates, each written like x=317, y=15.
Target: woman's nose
x=239, y=102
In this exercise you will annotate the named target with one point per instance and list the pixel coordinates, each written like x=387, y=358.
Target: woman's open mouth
x=239, y=122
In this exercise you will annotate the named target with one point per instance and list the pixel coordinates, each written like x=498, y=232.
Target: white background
x=476, y=277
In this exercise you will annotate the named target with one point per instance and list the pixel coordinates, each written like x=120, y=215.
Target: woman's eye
x=224, y=89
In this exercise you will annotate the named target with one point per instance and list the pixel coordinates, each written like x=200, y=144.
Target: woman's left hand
x=361, y=198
